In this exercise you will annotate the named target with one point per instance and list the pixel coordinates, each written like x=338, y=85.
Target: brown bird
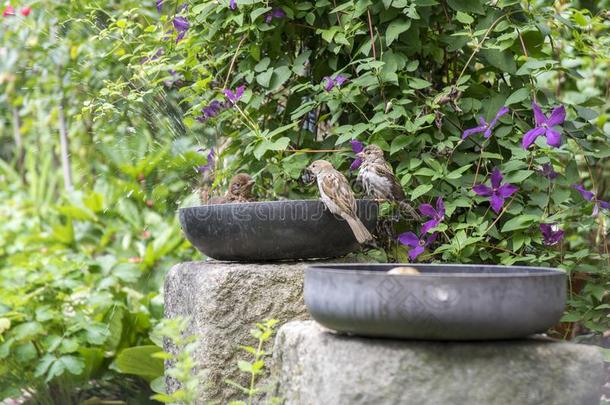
x=240, y=191
x=378, y=179
x=338, y=197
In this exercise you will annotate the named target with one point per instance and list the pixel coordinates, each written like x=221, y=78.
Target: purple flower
x=160, y=5
x=233, y=97
x=437, y=214
x=330, y=83
x=551, y=234
x=211, y=110
x=233, y=4
x=547, y=171
x=497, y=193
x=210, y=162
x=275, y=13
x=590, y=196
x=357, y=147
x=544, y=126
x=485, y=126
x=417, y=244
x=181, y=25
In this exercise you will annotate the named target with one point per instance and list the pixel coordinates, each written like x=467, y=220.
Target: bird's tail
x=360, y=232
x=405, y=206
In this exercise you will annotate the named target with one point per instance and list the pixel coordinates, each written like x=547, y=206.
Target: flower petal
x=328, y=83
x=340, y=80
x=496, y=178
x=357, y=146
x=557, y=117
x=482, y=190
x=440, y=207
x=429, y=225
x=595, y=210
x=497, y=202
x=553, y=138
x=604, y=204
x=233, y=4
x=408, y=239
x=531, y=135
x=416, y=251
x=356, y=164
x=586, y=194
x=500, y=113
x=506, y=190
x=431, y=238
x=427, y=210
x=474, y=130
x=539, y=116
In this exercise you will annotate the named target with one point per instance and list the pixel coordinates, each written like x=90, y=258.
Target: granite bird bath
x=443, y=302
x=272, y=230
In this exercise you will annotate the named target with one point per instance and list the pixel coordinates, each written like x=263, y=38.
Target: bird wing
x=385, y=171
x=336, y=187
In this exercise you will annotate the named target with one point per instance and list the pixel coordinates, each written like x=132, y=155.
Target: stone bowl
x=443, y=302
x=272, y=230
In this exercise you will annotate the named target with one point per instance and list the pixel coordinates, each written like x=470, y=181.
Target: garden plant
x=493, y=114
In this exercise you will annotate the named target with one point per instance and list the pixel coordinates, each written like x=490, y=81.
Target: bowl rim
x=346, y=268
x=274, y=202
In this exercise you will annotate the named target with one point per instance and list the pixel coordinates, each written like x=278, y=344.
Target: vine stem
x=476, y=173
x=232, y=64
x=370, y=20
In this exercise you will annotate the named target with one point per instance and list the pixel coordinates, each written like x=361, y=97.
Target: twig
x=232, y=64
x=368, y=12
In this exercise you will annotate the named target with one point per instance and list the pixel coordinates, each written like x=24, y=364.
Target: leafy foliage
x=103, y=109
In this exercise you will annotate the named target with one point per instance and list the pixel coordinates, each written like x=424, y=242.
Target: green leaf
x=518, y=96
x=464, y=18
x=265, y=77
x=421, y=190
x=520, y=222
x=27, y=330
x=501, y=60
x=468, y=6
x=139, y=361
x=395, y=28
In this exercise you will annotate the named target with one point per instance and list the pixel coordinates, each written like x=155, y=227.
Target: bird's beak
x=251, y=182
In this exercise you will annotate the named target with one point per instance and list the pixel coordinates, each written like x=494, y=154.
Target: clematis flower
x=233, y=4
x=357, y=147
x=210, y=164
x=485, y=127
x=551, y=234
x=233, y=97
x=25, y=11
x=497, y=193
x=544, y=126
x=437, y=214
x=590, y=196
x=181, y=25
x=211, y=110
x=276, y=13
x=547, y=171
x=330, y=83
x=8, y=11
x=418, y=244
x=160, y=6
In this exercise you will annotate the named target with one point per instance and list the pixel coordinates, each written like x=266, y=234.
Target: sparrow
x=240, y=191
x=378, y=179
x=338, y=197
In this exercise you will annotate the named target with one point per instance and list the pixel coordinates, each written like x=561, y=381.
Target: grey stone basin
x=272, y=230
x=443, y=302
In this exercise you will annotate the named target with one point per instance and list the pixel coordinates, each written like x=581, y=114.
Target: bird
x=338, y=197
x=239, y=191
x=378, y=179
